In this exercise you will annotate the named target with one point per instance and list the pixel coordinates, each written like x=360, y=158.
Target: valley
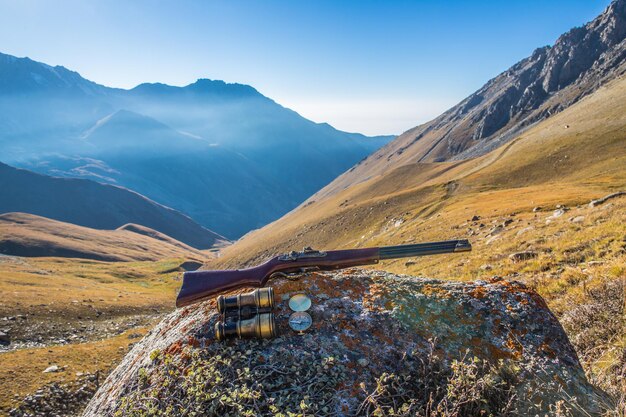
x=108, y=195
x=222, y=153
x=569, y=159
x=73, y=300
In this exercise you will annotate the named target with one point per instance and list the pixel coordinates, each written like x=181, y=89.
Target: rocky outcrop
x=604, y=199
x=550, y=80
x=380, y=343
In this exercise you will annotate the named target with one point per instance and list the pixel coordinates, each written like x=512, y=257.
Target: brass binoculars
x=246, y=315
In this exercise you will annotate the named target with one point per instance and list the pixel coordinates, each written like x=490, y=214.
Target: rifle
x=200, y=285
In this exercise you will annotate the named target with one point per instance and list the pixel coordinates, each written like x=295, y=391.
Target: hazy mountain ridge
x=19, y=75
x=87, y=203
x=222, y=153
x=549, y=81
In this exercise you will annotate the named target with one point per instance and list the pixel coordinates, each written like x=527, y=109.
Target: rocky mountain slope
x=32, y=236
x=88, y=203
x=221, y=153
x=536, y=88
x=570, y=158
x=380, y=344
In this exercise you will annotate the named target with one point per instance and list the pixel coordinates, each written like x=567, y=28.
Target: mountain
x=98, y=206
x=28, y=235
x=539, y=86
x=224, y=154
x=571, y=157
x=125, y=131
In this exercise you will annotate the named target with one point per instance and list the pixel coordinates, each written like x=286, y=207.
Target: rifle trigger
x=307, y=252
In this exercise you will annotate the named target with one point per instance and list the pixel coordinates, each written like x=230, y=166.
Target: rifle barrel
x=421, y=249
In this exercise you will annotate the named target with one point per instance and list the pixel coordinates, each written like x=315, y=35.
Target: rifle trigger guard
x=294, y=275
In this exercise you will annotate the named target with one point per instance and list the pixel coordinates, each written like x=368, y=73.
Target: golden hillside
x=28, y=235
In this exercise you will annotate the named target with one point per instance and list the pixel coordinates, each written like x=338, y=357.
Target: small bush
x=428, y=388
x=596, y=329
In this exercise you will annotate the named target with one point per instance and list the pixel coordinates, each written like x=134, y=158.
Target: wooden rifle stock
x=200, y=285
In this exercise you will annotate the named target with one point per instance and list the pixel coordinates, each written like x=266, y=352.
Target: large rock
x=380, y=343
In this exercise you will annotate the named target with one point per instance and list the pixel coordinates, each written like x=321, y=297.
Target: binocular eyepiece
x=246, y=315
x=263, y=298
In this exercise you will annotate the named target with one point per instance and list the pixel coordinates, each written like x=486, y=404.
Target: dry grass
x=50, y=287
x=29, y=235
x=58, y=295
x=21, y=372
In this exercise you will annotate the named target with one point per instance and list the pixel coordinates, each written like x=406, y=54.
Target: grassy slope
x=60, y=296
x=29, y=235
x=22, y=370
x=48, y=287
x=569, y=159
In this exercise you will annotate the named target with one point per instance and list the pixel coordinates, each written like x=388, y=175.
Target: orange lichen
x=515, y=347
x=436, y=291
x=518, y=289
x=478, y=292
x=175, y=348
x=193, y=341
x=376, y=292
x=480, y=347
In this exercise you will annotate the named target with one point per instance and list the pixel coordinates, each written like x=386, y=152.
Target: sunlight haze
x=380, y=68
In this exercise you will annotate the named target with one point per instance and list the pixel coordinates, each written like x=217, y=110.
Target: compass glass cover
x=299, y=302
x=300, y=321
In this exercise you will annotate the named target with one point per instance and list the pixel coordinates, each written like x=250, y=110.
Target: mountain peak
x=219, y=87
x=21, y=75
x=202, y=86
x=612, y=22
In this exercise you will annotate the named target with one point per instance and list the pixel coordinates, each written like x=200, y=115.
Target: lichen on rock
x=380, y=344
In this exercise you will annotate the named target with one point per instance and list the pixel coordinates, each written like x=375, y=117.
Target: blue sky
x=375, y=67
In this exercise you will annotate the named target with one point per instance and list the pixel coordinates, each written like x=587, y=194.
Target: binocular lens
x=258, y=299
x=261, y=326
